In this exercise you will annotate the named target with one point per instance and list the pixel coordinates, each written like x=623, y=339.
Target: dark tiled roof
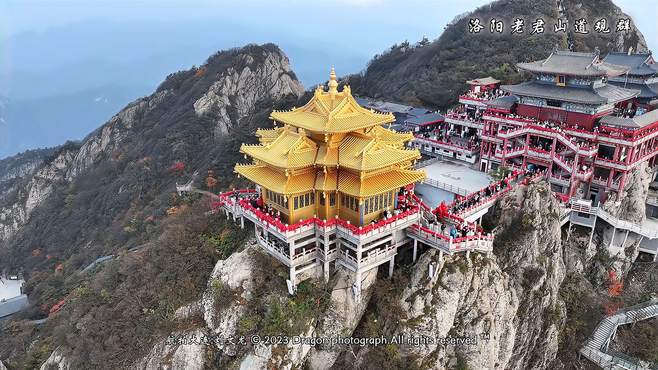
x=574, y=64
x=635, y=122
x=483, y=81
x=505, y=102
x=647, y=91
x=640, y=64
x=424, y=119
x=418, y=111
x=602, y=95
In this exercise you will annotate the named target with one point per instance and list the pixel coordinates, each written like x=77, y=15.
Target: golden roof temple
x=330, y=158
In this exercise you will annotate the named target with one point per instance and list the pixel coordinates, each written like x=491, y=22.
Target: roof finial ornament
x=333, y=84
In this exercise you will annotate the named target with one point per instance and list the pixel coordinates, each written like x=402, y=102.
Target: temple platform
x=445, y=179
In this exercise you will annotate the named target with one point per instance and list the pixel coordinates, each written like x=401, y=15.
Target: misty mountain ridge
x=52, y=94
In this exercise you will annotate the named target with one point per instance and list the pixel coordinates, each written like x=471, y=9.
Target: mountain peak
x=433, y=74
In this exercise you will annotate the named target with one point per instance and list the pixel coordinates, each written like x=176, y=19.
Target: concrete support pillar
x=391, y=263
x=569, y=229
x=468, y=254
x=623, y=244
x=415, y=249
x=293, y=278
x=440, y=256
x=591, y=235
x=357, y=284
x=612, y=239
x=241, y=222
x=325, y=267
x=325, y=270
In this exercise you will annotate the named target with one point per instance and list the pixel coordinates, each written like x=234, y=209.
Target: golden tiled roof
x=392, y=137
x=267, y=135
x=277, y=181
x=289, y=150
x=332, y=111
x=326, y=181
x=327, y=156
x=352, y=184
x=365, y=153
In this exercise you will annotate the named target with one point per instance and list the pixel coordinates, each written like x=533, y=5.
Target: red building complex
x=588, y=122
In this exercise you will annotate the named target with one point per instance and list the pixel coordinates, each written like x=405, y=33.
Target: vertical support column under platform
x=623, y=244
x=612, y=239
x=293, y=281
x=357, y=285
x=391, y=263
x=291, y=253
x=415, y=249
x=591, y=235
x=242, y=222
x=325, y=268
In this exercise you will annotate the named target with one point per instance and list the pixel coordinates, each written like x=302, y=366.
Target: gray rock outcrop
x=237, y=91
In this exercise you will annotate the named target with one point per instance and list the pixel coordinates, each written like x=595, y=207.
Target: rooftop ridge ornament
x=333, y=84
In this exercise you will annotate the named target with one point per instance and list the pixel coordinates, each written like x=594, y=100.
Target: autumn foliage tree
x=615, y=286
x=177, y=168
x=211, y=180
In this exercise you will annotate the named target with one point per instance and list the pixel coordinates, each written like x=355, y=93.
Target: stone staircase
x=596, y=347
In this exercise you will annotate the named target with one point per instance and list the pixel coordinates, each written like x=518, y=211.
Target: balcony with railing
x=463, y=119
x=454, y=145
x=372, y=257
x=600, y=180
x=237, y=203
x=508, y=118
x=560, y=178
x=434, y=239
x=538, y=153
x=563, y=162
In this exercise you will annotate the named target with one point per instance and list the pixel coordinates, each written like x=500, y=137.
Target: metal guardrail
x=593, y=347
x=584, y=206
x=447, y=187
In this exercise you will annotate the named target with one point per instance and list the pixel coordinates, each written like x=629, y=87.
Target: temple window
x=561, y=80
x=276, y=198
x=304, y=200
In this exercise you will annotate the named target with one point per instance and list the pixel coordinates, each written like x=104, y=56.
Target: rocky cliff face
x=112, y=191
x=507, y=302
x=222, y=92
x=630, y=205
x=237, y=90
x=232, y=290
x=25, y=197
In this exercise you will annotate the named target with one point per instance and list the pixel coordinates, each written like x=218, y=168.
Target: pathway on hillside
x=596, y=347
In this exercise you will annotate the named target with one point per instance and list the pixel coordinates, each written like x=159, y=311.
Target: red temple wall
x=551, y=114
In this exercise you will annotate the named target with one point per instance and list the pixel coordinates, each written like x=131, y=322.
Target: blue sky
x=360, y=28
x=67, y=65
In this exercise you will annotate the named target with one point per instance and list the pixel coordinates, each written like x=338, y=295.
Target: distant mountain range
x=66, y=82
x=52, y=120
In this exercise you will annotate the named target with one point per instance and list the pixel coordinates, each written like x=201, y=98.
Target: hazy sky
x=363, y=25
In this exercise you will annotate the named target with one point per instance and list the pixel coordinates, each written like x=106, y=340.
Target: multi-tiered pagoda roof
x=330, y=147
